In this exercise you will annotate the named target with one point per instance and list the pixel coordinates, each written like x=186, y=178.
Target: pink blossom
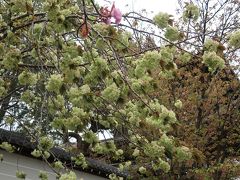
x=106, y=20
x=107, y=15
x=116, y=14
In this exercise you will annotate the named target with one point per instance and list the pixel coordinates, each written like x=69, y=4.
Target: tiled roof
x=25, y=147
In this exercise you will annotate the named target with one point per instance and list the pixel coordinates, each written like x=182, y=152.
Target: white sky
x=154, y=6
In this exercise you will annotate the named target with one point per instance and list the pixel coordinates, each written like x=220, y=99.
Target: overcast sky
x=155, y=6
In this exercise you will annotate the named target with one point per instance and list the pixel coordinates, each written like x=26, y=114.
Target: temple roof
x=25, y=147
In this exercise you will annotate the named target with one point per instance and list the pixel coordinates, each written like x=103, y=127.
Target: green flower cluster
x=136, y=152
x=161, y=164
x=98, y=69
x=46, y=154
x=56, y=104
x=37, y=30
x=102, y=28
x=124, y=166
x=12, y=58
x=211, y=45
x=90, y=137
x=43, y=175
x=54, y=83
x=154, y=149
x=29, y=97
x=142, y=79
x=111, y=93
x=191, y=12
x=213, y=61
x=2, y=24
x=21, y=175
x=133, y=113
x=70, y=67
x=3, y=90
x=101, y=44
x=172, y=33
x=36, y=153
x=167, y=142
x=85, y=89
x=185, y=57
x=72, y=55
x=75, y=96
x=149, y=61
x=164, y=119
x=234, y=39
x=105, y=148
x=136, y=84
x=140, y=70
x=45, y=143
x=68, y=176
x=210, y=57
x=183, y=153
x=8, y=147
x=142, y=170
x=167, y=116
x=162, y=20
x=167, y=54
x=122, y=41
x=58, y=165
x=76, y=119
x=155, y=105
x=114, y=177
x=119, y=152
x=27, y=78
x=178, y=104
x=57, y=10
x=80, y=161
x=117, y=76
x=21, y=6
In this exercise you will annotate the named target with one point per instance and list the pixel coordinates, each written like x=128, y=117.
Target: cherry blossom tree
x=74, y=69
